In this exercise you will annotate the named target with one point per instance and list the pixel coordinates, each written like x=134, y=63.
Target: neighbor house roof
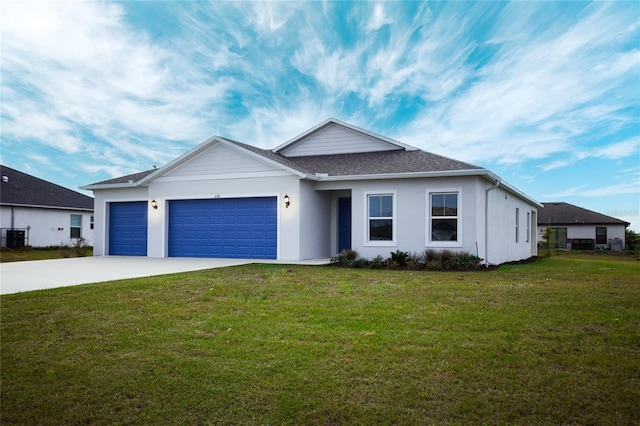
x=21, y=189
x=567, y=214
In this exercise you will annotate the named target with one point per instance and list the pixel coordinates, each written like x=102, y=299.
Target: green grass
x=36, y=253
x=552, y=342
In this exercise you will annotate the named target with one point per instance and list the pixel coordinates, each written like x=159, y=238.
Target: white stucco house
x=333, y=187
x=577, y=228
x=37, y=213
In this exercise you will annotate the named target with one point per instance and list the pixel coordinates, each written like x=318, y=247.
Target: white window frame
x=393, y=218
x=528, y=225
x=443, y=244
x=72, y=227
x=517, y=225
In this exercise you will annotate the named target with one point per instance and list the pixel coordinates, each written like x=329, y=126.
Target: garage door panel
x=228, y=227
x=128, y=228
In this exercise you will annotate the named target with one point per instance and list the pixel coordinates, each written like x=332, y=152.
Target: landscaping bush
x=345, y=257
x=77, y=247
x=377, y=263
x=399, y=258
x=431, y=260
x=359, y=262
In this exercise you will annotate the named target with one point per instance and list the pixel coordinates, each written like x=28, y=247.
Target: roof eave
x=93, y=186
x=37, y=206
x=408, y=175
x=441, y=173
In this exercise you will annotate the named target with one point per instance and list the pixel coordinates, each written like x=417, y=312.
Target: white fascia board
x=348, y=126
x=471, y=172
x=108, y=186
x=493, y=178
x=490, y=176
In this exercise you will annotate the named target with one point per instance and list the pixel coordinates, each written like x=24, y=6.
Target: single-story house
x=576, y=228
x=333, y=187
x=37, y=213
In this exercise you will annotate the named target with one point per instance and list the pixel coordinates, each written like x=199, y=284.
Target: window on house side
x=75, y=228
x=91, y=222
x=444, y=216
x=601, y=235
x=528, y=225
x=517, y=225
x=380, y=217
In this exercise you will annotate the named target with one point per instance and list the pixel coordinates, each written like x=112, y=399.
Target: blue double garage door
x=223, y=227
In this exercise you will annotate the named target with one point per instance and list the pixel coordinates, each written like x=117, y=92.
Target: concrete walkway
x=17, y=277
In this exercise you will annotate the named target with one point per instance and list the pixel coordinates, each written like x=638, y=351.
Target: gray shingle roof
x=272, y=156
x=125, y=179
x=385, y=162
x=22, y=189
x=568, y=214
x=366, y=163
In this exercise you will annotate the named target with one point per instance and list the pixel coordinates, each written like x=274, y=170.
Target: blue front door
x=344, y=224
x=128, y=228
x=224, y=227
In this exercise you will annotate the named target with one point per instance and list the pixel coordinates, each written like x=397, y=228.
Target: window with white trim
x=517, y=225
x=444, y=217
x=75, y=228
x=528, y=225
x=91, y=222
x=380, y=218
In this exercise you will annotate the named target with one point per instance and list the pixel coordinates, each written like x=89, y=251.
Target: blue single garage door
x=224, y=227
x=128, y=228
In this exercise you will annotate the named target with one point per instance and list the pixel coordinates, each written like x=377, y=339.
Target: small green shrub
x=77, y=247
x=447, y=260
x=359, y=262
x=377, y=263
x=399, y=258
x=345, y=257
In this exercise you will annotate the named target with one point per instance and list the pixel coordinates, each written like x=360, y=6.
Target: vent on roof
x=5, y=179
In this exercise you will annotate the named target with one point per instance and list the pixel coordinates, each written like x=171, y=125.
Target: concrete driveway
x=16, y=277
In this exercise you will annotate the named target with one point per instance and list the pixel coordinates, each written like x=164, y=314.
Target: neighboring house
x=38, y=213
x=333, y=187
x=573, y=227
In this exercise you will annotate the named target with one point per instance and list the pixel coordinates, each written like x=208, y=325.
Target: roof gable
x=21, y=189
x=333, y=137
x=220, y=159
x=567, y=214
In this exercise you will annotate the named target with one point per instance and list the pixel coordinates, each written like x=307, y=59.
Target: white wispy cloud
x=85, y=70
x=585, y=191
x=529, y=100
x=379, y=18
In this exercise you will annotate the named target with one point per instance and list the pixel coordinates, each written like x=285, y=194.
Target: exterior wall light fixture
x=287, y=202
x=154, y=204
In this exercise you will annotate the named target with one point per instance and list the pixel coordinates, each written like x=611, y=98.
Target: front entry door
x=344, y=224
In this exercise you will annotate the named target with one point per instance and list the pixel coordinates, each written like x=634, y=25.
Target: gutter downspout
x=486, y=221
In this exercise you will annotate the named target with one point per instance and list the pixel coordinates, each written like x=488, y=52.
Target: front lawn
x=552, y=342
x=40, y=253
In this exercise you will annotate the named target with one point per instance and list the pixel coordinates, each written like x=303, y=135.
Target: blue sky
x=545, y=94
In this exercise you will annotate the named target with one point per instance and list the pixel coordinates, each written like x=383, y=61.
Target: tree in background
x=547, y=240
x=632, y=239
